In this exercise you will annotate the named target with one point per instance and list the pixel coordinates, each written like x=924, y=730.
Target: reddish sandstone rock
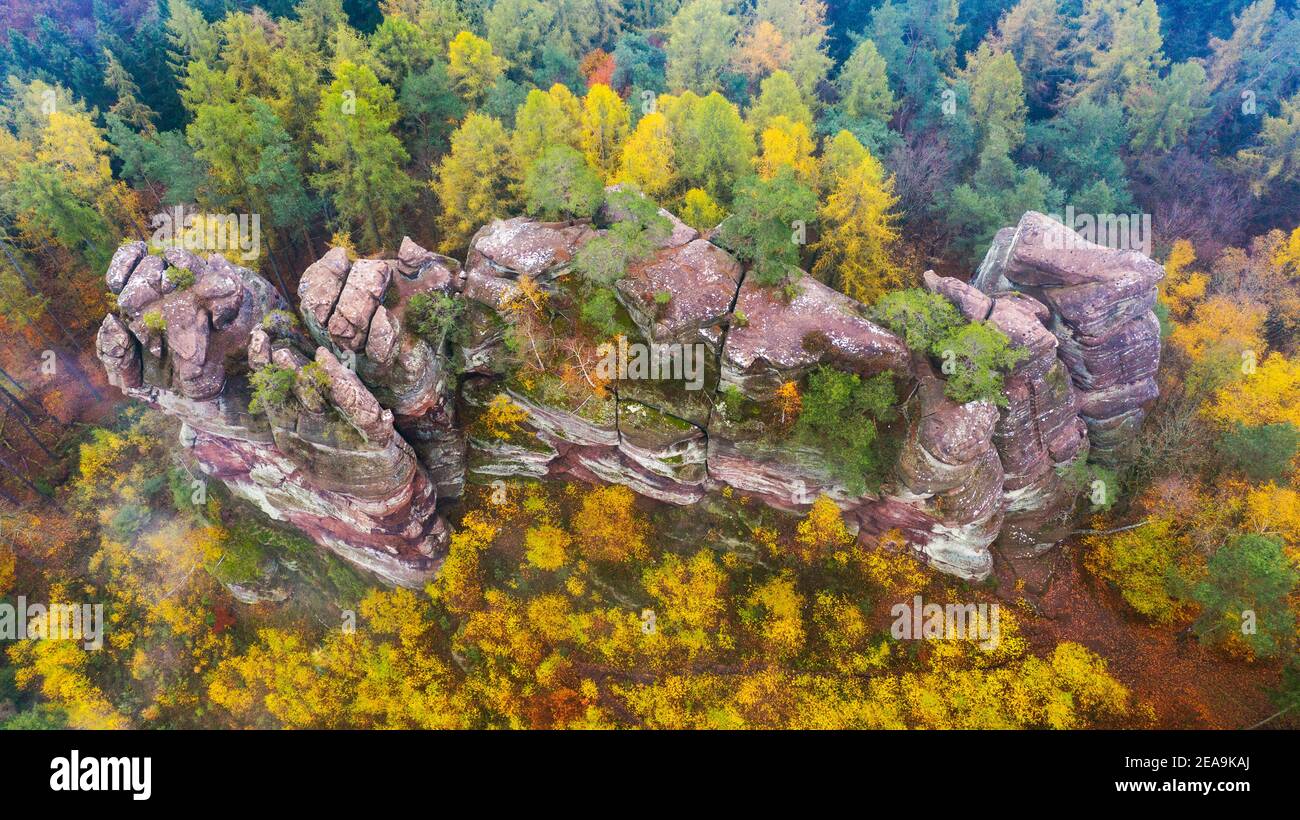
x=779, y=341
x=700, y=280
x=522, y=246
x=333, y=467
x=1100, y=301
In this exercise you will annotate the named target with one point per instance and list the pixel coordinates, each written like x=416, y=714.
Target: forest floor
x=1187, y=685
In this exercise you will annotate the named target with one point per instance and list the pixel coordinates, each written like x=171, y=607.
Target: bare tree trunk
x=20, y=476
x=27, y=428
x=22, y=408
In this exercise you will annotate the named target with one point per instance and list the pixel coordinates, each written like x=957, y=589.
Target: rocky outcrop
x=328, y=461
x=1038, y=434
x=368, y=440
x=1100, y=304
x=971, y=478
x=778, y=340
x=949, y=493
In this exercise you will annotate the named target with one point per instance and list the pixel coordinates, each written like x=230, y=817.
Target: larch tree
x=713, y=145
x=605, y=126
x=473, y=66
x=1276, y=152
x=1117, y=47
x=997, y=97
x=760, y=51
x=840, y=155
x=360, y=158
x=517, y=30
x=1162, y=115
x=802, y=25
x=699, y=45
x=648, y=160
x=863, y=84
x=778, y=96
x=787, y=144
x=1034, y=32
x=472, y=181
x=856, y=251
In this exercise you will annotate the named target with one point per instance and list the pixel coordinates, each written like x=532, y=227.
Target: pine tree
x=864, y=84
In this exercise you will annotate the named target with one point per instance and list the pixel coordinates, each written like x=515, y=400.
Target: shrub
x=639, y=229
x=973, y=355
x=503, y=417
x=839, y=417
x=279, y=321
x=700, y=211
x=920, y=317
x=1101, y=484
x=974, y=358
x=314, y=382
x=272, y=388
x=431, y=316
x=599, y=310
x=154, y=320
x=182, y=278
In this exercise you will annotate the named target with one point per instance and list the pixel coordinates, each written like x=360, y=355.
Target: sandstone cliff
x=359, y=462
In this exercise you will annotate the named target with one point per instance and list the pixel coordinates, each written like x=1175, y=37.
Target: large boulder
x=773, y=340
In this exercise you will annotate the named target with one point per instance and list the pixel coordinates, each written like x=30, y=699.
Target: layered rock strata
x=335, y=466
x=370, y=440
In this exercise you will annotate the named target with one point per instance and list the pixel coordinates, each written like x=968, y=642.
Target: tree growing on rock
x=764, y=227
x=839, y=418
x=562, y=185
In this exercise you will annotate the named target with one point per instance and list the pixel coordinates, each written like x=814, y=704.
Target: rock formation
x=1100, y=304
x=370, y=440
x=335, y=467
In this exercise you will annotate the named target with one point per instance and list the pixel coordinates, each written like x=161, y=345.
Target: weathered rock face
x=1100, y=303
x=970, y=478
x=948, y=496
x=333, y=466
x=1038, y=434
x=370, y=440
